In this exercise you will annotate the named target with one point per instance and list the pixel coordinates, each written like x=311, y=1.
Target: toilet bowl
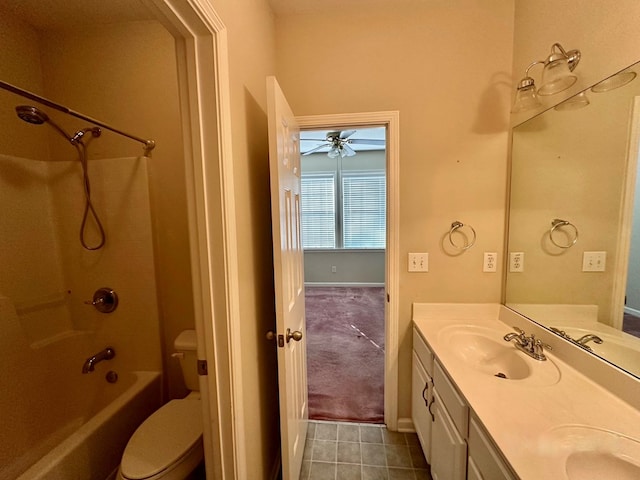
x=168, y=444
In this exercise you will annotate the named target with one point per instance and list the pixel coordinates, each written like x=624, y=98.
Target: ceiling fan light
x=334, y=152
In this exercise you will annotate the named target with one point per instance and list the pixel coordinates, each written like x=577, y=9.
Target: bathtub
x=91, y=449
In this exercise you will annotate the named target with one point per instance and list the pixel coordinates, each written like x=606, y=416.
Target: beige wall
x=250, y=28
x=605, y=32
x=447, y=69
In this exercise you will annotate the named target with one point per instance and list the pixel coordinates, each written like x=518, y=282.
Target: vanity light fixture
x=556, y=77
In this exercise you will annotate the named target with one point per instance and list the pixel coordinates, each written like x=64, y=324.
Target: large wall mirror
x=573, y=261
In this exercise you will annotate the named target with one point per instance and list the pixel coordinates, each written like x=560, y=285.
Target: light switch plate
x=594, y=261
x=418, y=262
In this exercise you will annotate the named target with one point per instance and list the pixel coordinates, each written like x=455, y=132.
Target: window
x=363, y=211
x=350, y=213
x=318, y=211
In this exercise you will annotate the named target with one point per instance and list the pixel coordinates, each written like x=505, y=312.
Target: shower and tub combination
x=69, y=402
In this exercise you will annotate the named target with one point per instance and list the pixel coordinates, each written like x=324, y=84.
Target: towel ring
x=557, y=224
x=456, y=226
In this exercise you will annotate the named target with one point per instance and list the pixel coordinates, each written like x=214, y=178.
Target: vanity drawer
x=454, y=402
x=484, y=455
x=423, y=352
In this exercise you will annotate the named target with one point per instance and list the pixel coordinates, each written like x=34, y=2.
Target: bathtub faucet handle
x=105, y=300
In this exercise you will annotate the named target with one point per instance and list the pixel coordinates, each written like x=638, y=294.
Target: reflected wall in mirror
x=578, y=165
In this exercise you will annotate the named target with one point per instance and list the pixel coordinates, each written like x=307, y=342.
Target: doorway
x=344, y=238
x=335, y=264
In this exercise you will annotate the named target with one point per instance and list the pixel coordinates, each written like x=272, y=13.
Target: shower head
x=31, y=114
x=35, y=116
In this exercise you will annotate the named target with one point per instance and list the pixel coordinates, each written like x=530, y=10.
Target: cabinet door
x=448, y=448
x=421, y=398
x=486, y=457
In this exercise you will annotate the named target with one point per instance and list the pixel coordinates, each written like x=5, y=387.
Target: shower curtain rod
x=148, y=144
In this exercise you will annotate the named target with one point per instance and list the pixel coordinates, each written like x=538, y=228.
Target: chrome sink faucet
x=582, y=341
x=587, y=338
x=532, y=346
x=90, y=363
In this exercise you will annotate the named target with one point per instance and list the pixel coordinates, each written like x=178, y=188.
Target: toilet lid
x=162, y=439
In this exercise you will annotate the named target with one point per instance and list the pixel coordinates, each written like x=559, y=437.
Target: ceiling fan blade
x=346, y=133
x=314, y=149
x=363, y=141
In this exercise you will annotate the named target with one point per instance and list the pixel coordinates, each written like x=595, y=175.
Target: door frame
x=391, y=121
x=626, y=219
x=204, y=91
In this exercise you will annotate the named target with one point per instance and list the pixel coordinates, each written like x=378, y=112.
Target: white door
x=284, y=161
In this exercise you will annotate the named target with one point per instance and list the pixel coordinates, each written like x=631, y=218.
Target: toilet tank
x=185, y=345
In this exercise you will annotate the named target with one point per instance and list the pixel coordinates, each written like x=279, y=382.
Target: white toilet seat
x=170, y=436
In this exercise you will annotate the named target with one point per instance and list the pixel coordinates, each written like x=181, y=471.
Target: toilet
x=168, y=444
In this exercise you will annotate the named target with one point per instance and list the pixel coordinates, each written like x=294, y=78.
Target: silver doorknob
x=296, y=335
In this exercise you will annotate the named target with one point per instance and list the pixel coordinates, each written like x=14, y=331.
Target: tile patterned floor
x=356, y=451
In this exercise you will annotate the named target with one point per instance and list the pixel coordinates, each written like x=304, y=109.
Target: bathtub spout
x=90, y=363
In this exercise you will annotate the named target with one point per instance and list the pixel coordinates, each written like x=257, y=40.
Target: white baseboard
x=632, y=311
x=406, y=425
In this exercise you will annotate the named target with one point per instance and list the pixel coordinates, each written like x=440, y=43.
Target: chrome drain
x=500, y=375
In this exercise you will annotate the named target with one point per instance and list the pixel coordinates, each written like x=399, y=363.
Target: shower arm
x=148, y=144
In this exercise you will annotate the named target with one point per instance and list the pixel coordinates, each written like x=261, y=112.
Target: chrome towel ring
x=558, y=224
x=467, y=245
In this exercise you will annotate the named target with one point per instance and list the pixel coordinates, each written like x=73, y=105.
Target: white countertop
x=520, y=415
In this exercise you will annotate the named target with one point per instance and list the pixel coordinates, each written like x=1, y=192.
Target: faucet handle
x=519, y=330
x=539, y=342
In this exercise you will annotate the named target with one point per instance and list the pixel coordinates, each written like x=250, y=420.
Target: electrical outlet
x=594, y=261
x=516, y=262
x=418, y=262
x=334, y=269
x=490, y=262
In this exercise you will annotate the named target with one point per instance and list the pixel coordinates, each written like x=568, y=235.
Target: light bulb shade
x=615, y=81
x=556, y=76
x=526, y=98
x=577, y=101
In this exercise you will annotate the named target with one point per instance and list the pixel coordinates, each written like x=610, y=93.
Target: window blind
x=318, y=209
x=364, y=211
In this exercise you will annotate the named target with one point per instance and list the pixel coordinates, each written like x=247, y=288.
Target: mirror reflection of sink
x=581, y=451
x=484, y=350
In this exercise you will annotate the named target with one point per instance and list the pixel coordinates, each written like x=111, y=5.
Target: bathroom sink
x=484, y=350
x=581, y=451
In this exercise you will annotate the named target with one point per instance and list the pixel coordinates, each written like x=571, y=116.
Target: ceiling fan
x=339, y=143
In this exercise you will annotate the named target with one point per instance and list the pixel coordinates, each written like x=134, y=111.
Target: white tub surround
x=530, y=419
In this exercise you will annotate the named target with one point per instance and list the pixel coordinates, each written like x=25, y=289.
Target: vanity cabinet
x=485, y=462
x=422, y=392
x=450, y=427
x=454, y=442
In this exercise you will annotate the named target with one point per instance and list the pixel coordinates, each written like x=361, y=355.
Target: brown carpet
x=345, y=353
